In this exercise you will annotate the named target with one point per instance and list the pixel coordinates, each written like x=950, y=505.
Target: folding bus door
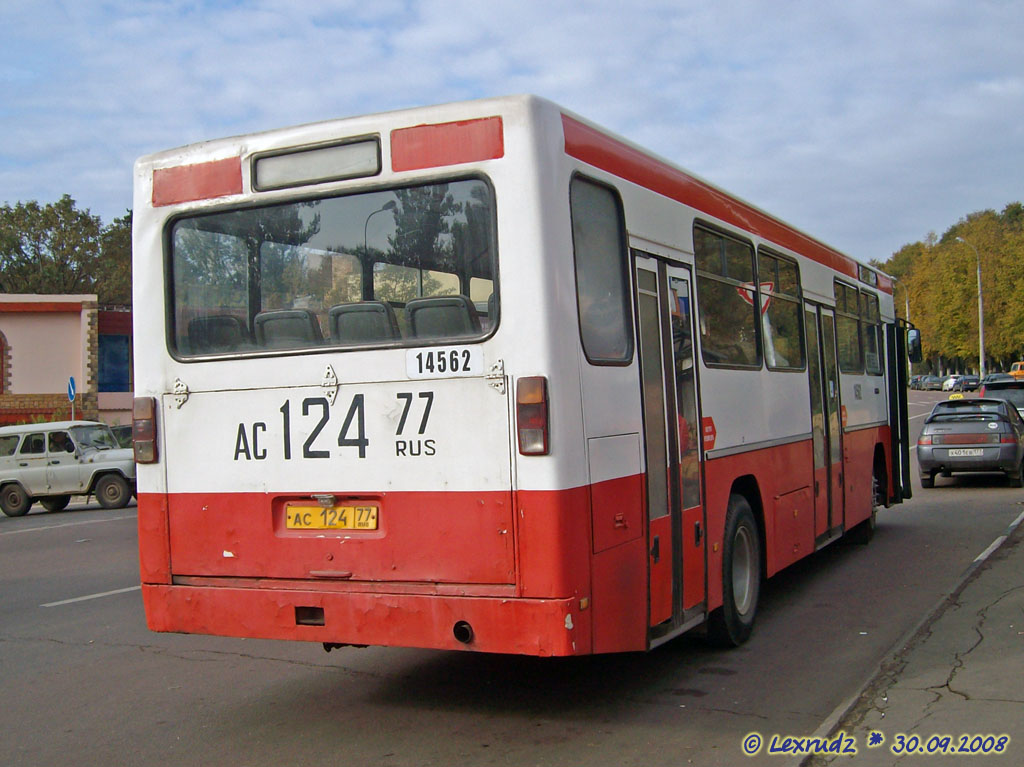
x=826, y=425
x=676, y=525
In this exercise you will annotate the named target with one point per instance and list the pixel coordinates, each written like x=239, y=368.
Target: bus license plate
x=966, y=452
x=331, y=518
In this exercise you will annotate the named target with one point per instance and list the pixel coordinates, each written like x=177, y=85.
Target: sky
x=867, y=123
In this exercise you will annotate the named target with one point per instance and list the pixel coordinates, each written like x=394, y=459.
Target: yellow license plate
x=331, y=518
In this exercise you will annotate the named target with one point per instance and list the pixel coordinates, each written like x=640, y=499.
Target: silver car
x=50, y=462
x=972, y=435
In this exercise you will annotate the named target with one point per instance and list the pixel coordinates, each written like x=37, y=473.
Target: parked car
x=994, y=377
x=972, y=435
x=933, y=383
x=951, y=383
x=50, y=462
x=1017, y=370
x=969, y=383
x=1009, y=389
x=123, y=434
x=915, y=381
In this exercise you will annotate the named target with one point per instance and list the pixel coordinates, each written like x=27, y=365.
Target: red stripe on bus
x=602, y=151
x=431, y=146
x=202, y=181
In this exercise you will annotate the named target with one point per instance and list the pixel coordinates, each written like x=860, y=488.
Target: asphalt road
x=85, y=683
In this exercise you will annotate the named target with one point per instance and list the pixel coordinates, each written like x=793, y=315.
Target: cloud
x=867, y=124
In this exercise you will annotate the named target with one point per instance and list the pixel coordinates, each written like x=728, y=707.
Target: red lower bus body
x=579, y=591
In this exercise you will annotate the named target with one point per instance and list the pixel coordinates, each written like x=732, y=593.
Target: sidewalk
x=960, y=674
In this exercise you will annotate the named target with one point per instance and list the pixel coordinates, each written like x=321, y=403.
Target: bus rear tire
x=732, y=623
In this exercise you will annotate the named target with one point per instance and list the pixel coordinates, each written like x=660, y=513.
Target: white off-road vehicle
x=50, y=462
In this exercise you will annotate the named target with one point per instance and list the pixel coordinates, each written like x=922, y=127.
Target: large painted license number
x=312, y=416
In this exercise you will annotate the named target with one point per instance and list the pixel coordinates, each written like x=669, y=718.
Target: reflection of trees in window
x=848, y=329
x=221, y=255
x=316, y=254
x=783, y=332
x=872, y=334
x=728, y=303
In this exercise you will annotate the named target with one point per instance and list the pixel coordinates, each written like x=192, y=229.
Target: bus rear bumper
x=542, y=627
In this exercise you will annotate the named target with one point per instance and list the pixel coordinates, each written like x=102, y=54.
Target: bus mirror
x=914, y=345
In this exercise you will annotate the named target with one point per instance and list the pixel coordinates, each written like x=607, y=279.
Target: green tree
x=114, y=270
x=940, y=275
x=58, y=248
x=48, y=249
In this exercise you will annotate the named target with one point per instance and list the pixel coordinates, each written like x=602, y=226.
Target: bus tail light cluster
x=532, y=415
x=144, y=429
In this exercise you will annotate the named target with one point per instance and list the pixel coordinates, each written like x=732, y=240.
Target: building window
x=114, y=363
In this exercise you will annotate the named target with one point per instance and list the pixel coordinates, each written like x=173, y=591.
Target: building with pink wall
x=47, y=339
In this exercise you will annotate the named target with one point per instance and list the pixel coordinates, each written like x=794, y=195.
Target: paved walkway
x=953, y=692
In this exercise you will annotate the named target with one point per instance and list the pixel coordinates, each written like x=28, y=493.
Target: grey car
x=972, y=435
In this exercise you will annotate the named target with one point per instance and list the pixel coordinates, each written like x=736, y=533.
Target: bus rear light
x=532, y=415
x=144, y=429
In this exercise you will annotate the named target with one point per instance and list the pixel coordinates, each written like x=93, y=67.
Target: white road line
x=66, y=524
x=91, y=596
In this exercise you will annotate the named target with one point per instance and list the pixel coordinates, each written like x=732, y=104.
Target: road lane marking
x=999, y=541
x=66, y=524
x=91, y=596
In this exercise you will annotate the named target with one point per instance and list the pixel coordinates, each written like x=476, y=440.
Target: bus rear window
x=401, y=267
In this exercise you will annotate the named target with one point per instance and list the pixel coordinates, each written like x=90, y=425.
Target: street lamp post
x=906, y=316
x=389, y=205
x=981, y=313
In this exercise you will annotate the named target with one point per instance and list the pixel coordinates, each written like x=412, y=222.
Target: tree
x=58, y=248
x=114, y=270
x=51, y=249
x=940, y=276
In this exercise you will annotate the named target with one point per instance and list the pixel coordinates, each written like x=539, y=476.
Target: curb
x=829, y=726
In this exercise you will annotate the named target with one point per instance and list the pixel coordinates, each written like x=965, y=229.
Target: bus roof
x=463, y=132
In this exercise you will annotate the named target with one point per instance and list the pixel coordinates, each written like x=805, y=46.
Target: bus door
x=676, y=525
x=826, y=425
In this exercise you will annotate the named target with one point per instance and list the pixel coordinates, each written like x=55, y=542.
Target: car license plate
x=966, y=452
x=331, y=518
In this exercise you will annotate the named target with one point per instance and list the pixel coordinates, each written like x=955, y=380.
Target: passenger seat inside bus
x=287, y=328
x=217, y=333
x=442, y=317
x=363, y=323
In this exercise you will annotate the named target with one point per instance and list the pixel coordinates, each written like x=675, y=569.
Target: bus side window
x=848, y=329
x=602, y=282
x=727, y=300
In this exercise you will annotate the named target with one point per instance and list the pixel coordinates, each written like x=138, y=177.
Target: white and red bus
x=484, y=376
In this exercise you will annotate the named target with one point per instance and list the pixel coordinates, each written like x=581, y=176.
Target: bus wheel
x=113, y=492
x=14, y=501
x=56, y=502
x=731, y=624
x=862, y=533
